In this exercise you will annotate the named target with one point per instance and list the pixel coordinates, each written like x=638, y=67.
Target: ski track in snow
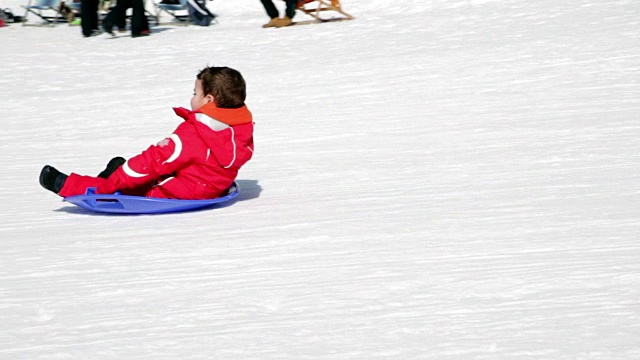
x=438, y=180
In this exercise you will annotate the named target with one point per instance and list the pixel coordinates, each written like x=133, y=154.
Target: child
x=200, y=160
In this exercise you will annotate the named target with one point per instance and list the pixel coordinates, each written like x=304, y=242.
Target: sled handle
x=105, y=202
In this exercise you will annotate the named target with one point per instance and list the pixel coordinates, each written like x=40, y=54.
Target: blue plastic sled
x=127, y=204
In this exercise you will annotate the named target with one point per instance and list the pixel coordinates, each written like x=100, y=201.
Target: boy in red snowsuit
x=200, y=160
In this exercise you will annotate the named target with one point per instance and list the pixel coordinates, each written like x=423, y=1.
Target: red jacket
x=200, y=160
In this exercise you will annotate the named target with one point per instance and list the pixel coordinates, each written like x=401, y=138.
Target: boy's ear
x=209, y=98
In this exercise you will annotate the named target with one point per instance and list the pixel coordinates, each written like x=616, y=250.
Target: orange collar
x=231, y=117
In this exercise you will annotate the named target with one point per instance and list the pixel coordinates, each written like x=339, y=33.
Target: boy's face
x=199, y=98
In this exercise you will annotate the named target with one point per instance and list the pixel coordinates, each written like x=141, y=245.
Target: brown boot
x=273, y=23
x=285, y=21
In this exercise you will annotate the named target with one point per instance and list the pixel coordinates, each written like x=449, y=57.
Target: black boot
x=107, y=22
x=112, y=166
x=52, y=179
x=108, y=28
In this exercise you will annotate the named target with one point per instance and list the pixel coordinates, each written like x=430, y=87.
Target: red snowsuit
x=200, y=160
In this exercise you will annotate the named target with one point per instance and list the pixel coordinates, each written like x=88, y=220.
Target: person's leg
x=120, y=20
x=139, y=22
x=93, y=15
x=75, y=184
x=270, y=8
x=88, y=13
x=78, y=184
x=291, y=8
x=67, y=185
x=114, y=16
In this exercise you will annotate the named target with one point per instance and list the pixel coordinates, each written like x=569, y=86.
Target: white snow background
x=434, y=180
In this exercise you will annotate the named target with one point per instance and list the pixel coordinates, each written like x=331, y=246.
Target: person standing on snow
x=117, y=16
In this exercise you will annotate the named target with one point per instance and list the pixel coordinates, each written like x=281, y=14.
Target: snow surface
x=434, y=180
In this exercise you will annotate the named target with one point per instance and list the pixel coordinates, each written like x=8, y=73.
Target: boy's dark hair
x=225, y=84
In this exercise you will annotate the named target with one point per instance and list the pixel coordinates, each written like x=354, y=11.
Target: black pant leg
x=291, y=8
x=139, y=22
x=94, y=14
x=89, y=16
x=115, y=16
x=271, y=9
x=107, y=22
x=120, y=19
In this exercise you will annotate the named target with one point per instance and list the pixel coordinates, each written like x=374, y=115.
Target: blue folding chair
x=179, y=12
x=47, y=10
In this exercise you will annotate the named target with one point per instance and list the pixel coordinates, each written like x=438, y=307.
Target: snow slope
x=433, y=180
